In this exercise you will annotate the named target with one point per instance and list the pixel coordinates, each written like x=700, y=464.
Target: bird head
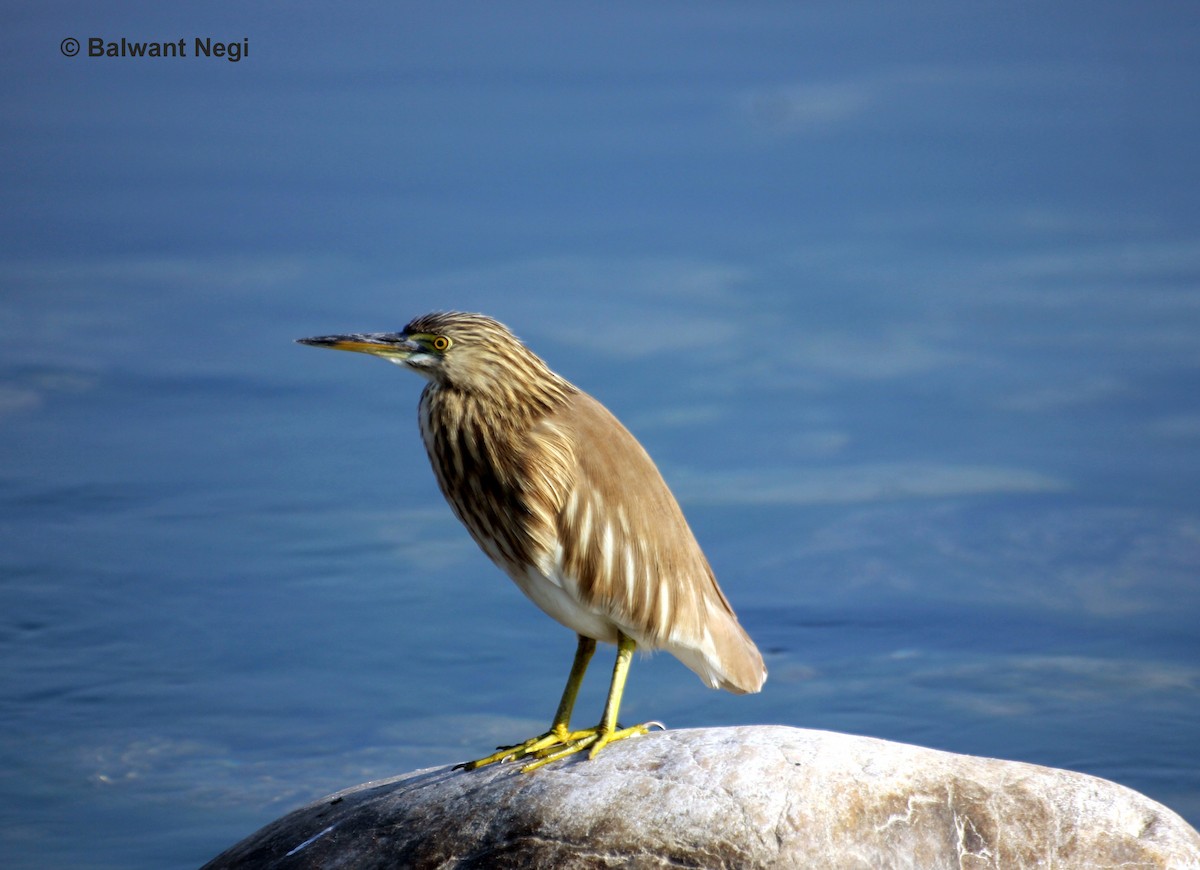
x=470, y=352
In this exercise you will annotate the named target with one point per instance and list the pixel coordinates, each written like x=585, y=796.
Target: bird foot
x=556, y=736
x=591, y=739
x=558, y=743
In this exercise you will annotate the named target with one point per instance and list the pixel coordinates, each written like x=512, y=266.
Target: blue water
x=905, y=301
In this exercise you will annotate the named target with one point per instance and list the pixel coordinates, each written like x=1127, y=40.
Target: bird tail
x=726, y=658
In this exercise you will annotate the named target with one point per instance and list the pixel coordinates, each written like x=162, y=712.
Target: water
x=904, y=304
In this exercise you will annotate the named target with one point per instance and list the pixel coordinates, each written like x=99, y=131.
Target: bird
x=567, y=503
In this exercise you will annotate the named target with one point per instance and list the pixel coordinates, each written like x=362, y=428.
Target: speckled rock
x=762, y=796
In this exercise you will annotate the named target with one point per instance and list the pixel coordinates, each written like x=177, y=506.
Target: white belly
x=559, y=603
x=561, y=606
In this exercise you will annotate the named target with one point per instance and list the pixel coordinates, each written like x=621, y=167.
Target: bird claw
x=559, y=743
x=533, y=747
x=592, y=739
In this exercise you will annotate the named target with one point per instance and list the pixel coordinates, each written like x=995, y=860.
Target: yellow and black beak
x=391, y=345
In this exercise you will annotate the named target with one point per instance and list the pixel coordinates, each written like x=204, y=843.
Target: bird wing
x=616, y=540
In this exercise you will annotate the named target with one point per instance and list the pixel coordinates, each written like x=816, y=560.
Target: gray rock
x=761, y=796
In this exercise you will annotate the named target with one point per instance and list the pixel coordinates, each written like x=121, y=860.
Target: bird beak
x=385, y=344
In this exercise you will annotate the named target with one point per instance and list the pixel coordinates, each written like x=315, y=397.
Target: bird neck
x=515, y=387
x=490, y=418
x=503, y=408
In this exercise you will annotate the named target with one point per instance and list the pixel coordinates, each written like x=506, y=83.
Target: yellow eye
x=440, y=342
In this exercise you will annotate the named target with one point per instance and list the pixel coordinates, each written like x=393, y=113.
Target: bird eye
x=440, y=342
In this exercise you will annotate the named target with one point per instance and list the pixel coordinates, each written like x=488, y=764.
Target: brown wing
x=622, y=547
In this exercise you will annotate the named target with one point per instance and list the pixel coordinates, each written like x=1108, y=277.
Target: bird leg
x=603, y=734
x=560, y=741
x=559, y=733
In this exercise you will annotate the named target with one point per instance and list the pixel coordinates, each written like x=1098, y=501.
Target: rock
x=762, y=796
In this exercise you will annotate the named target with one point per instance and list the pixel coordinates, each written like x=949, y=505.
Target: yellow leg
x=560, y=741
x=606, y=732
x=583, y=655
x=559, y=732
